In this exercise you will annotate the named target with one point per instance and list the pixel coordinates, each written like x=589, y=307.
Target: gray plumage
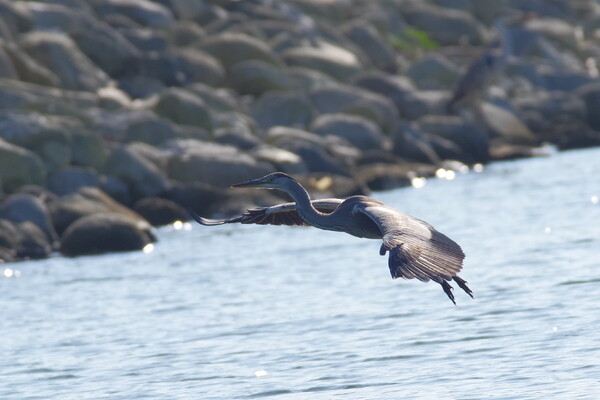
x=416, y=249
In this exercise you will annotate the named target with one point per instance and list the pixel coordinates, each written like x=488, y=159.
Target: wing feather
x=416, y=249
x=280, y=214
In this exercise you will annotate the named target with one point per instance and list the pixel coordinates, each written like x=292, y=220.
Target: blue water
x=243, y=312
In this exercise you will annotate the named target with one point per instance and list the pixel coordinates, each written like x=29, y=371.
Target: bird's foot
x=383, y=250
x=448, y=290
x=463, y=285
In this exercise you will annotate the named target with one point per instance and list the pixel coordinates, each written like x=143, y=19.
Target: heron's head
x=276, y=180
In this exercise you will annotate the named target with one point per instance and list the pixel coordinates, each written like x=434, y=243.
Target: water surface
x=244, y=312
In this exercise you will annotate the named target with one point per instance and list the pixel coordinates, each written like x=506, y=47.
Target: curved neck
x=306, y=211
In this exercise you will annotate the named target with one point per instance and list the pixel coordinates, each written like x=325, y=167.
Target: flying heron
x=416, y=249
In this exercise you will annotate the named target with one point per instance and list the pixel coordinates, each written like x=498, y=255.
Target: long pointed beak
x=248, y=184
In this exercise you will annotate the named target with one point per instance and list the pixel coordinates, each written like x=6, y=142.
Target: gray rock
x=558, y=118
x=199, y=66
x=28, y=69
x=186, y=33
x=17, y=18
x=359, y=131
x=283, y=160
x=313, y=149
x=143, y=177
x=216, y=99
x=141, y=87
x=183, y=107
x=146, y=40
x=396, y=88
x=33, y=243
x=116, y=189
x=47, y=136
x=233, y=48
x=473, y=141
x=86, y=201
x=87, y=150
x=9, y=241
x=443, y=25
x=19, y=167
x=334, y=61
x=21, y=207
x=256, y=77
x=201, y=197
x=306, y=79
x=70, y=179
x=506, y=125
x=379, y=52
x=239, y=137
x=144, y=12
x=411, y=144
x=60, y=54
x=152, y=130
x=282, y=109
x=357, y=101
x=102, y=233
x=434, y=72
x=159, y=211
x=213, y=164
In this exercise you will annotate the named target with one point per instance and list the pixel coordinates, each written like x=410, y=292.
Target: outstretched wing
x=280, y=214
x=416, y=249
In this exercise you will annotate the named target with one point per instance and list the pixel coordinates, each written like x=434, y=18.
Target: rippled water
x=241, y=312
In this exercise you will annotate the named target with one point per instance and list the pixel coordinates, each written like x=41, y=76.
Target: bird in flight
x=416, y=249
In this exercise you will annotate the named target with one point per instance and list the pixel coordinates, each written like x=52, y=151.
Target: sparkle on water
x=242, y=312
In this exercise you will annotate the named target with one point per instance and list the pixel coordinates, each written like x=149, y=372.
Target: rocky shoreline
x=116, y=115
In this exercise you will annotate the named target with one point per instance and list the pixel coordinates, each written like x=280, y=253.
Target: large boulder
x=33, y=242
x=70, y=179
x=106, y=232
x=144, y=12
x=434, y=72
x=355, y=100
x=105, y=46
x=319, y=154
x=47, y=136
x=334, y=61
x=87, y=201
x=144, y=178
x=283, y=109
x=159, y=211
x=211, y=163
x=184, y=107
x=359, y=131
x=27, y=68
x=445, y=26
x=472, y=140
x=233, y=48
x=19, y=167
x=368, y=39
x=504, y=124
x=23, y=207
x=256, y=77
x=61, y=55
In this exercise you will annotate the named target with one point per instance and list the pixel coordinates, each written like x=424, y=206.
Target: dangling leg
x=463, y=285
x=448, y=290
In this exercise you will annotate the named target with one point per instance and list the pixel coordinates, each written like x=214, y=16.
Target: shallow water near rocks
x=243, y=312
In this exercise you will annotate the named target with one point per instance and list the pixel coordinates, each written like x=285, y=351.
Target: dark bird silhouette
x=483, y=71
x=416, y=249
